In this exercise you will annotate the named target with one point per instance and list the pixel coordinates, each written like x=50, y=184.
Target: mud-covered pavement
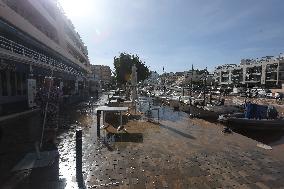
x=177, y=153
x=180, y=154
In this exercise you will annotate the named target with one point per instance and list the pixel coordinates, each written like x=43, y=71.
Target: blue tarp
x=255, y=111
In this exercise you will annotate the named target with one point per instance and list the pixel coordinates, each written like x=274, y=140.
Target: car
x=269, y=95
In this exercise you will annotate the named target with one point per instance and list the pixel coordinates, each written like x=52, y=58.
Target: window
x=4, y=83
x=19, y=83
x=12, y=83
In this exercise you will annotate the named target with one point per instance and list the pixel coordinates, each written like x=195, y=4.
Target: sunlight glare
x=78, y=9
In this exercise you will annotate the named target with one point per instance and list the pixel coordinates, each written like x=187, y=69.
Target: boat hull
x=252, y=124
x=184, y=107
x=203, y=114
x=212, y=112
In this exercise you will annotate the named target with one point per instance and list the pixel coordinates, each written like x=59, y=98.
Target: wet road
x=177, y=153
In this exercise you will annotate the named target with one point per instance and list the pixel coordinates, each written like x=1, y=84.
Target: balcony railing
x=36, y=56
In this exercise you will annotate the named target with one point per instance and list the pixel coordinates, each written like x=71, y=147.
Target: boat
x=212, y=112
x=183, y=106
x=181, y=103
x=242, y=123
x=174, y=102
x=260, y=117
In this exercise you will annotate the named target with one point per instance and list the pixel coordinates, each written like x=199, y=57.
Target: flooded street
x=177, y=153
x=180, y=154
x=96, y=94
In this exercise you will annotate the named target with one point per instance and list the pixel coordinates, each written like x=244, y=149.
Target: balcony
x=256, y=73
x=235, y=75
x=34, y=17
x=225, y=75
x=41, y=59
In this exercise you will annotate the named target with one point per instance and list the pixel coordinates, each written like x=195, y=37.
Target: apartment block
x=38, y=40
x=266, y=71
x=101, y=73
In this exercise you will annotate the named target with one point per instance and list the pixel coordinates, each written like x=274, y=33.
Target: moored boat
x=242, y=123
x=256, y=117
x=212, y=112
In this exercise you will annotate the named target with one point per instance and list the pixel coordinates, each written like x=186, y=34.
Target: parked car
x=269, y=95
x=274, y=95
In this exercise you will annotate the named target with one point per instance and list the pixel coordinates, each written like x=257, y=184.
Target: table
x=108, y=109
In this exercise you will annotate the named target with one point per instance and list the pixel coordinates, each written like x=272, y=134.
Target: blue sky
x=178, y=33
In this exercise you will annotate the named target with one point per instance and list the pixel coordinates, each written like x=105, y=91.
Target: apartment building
x=266, y=71
x=38, y=40
x=101, y=73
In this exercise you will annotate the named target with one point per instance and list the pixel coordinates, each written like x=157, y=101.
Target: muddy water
x=18, y=140
x=82, y=117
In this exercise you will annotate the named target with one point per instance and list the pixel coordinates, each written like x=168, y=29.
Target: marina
x=197, y=108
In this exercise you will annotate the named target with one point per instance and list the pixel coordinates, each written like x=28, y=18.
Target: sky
x=175, y=34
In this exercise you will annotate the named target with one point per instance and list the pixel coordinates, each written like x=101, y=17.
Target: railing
x=39, y=57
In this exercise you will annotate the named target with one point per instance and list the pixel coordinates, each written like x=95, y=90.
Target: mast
x=204, y=89
x=191, y=85
x=164, y=80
